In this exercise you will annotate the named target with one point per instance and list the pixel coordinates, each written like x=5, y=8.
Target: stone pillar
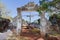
x=19, y=21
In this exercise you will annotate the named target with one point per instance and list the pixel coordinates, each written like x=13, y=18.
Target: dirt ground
x=31, y=36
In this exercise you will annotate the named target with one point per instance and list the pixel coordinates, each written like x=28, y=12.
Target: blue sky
x=34, y=15
x=12, y=5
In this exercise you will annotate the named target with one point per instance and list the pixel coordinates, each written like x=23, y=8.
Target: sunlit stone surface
x=5, y=35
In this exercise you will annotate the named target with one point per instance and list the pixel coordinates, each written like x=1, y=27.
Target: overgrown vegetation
x=4, y=24
x=55, y=18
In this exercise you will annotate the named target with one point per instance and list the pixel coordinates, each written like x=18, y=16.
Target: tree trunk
x=43, y=23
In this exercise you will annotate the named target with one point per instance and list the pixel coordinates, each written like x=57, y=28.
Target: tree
x=46, y=6
x=53, y=19
x=4, y=24
x=42, y=10
x=38, y=21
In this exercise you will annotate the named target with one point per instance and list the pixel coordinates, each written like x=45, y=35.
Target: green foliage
x=1, y=21
x=1, y=18
x=57, y=16
x=39, y=11
x=51, y=17
x=38, y=21
x=4, y=24
x=45, y=6
x=54, y=2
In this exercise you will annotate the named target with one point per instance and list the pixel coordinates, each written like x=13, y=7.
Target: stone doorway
x=31, y=6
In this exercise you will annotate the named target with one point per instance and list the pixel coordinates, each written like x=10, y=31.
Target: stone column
x=19, y=21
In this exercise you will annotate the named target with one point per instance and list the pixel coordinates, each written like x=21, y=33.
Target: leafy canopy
x=46, y=5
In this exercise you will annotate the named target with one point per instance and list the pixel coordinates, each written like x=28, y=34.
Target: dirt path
x=30, y=36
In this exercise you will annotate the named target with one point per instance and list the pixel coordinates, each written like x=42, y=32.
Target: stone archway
x=31, y=7
x=28, y=7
